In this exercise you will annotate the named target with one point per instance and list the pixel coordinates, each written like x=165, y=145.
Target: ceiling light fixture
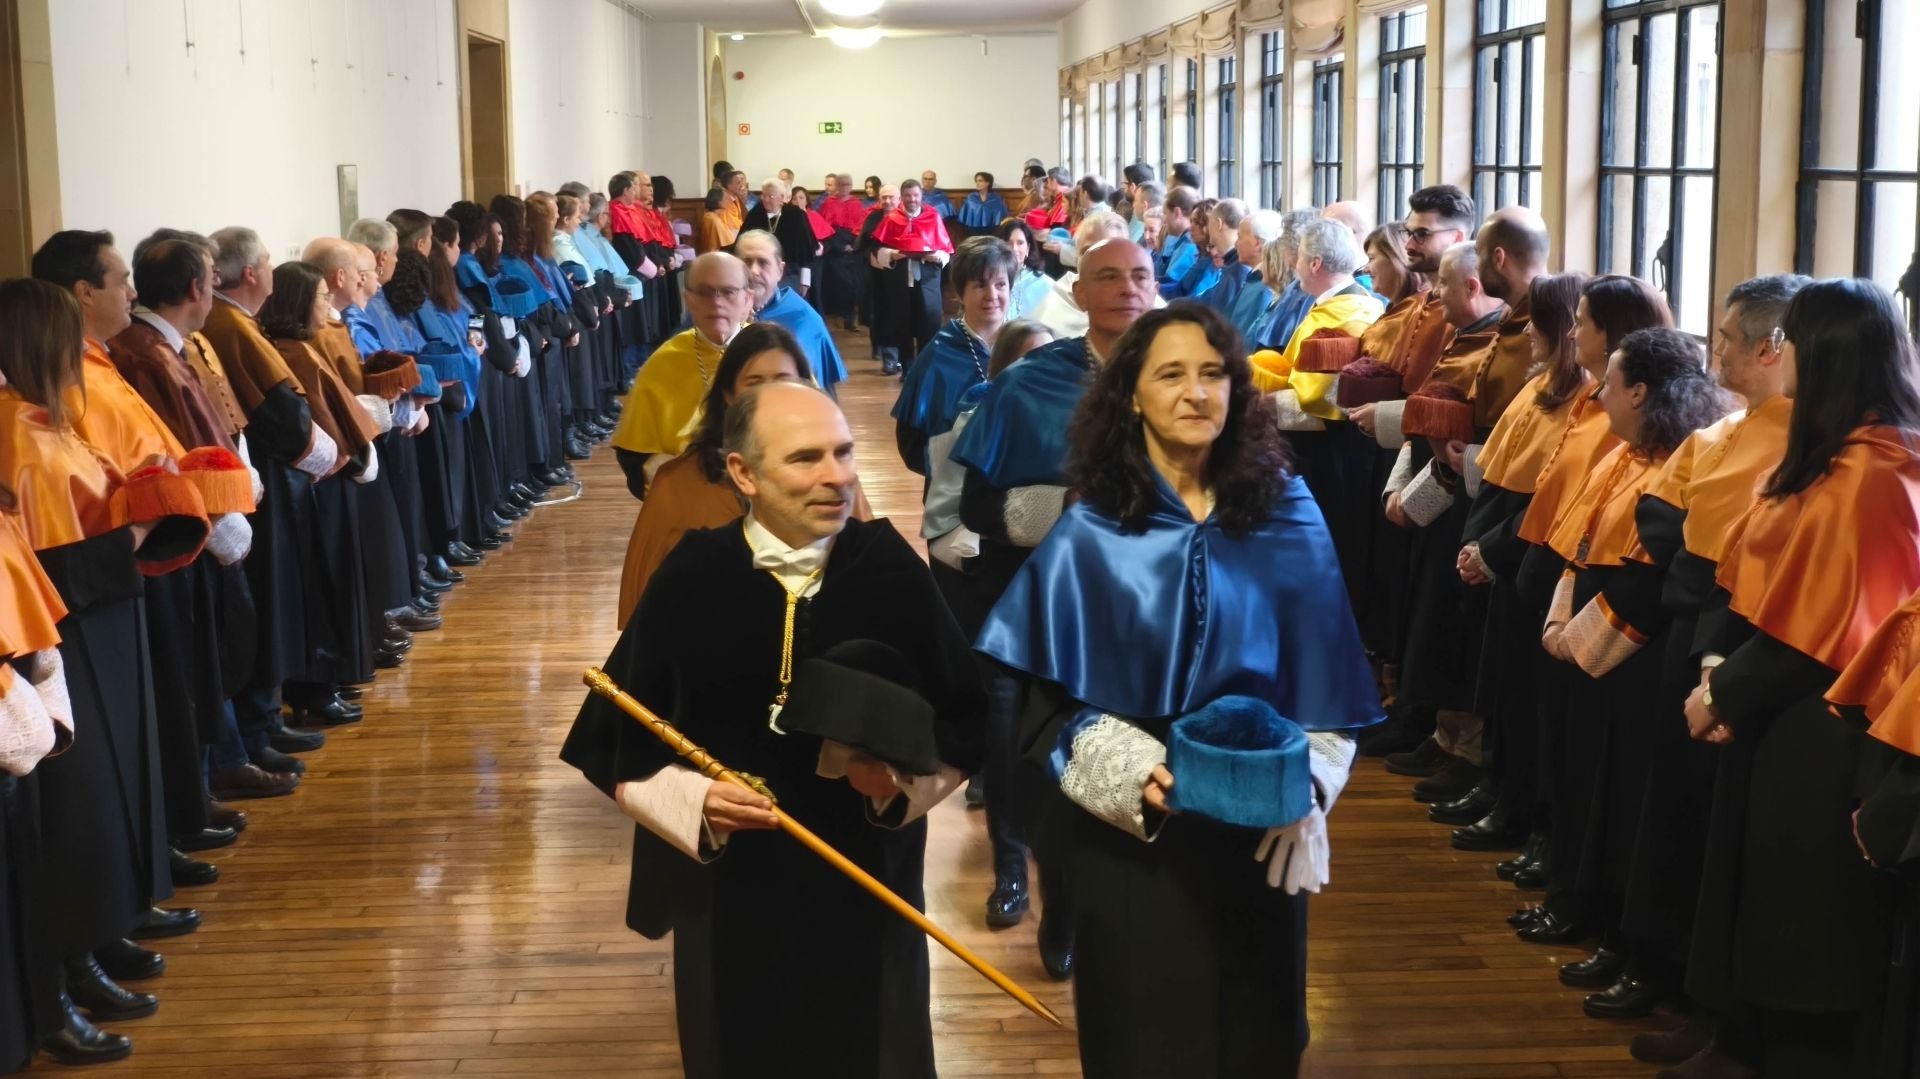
x=851, y=38
x=850, y=9
x=736, y=37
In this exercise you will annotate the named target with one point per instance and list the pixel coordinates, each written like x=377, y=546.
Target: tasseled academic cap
x=864, y=694
x=1240, y=762
x=1367, y=381
x=1439, y=410
x=1326, y=352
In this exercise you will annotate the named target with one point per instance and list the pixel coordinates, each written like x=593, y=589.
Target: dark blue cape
x=978, y=213
x=1157, y=624
x=800, y=319
x=930, y=393
x=1225, y=291
x=1018, y=436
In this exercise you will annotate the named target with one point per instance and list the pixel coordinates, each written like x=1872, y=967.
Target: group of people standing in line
x=230, y=493
x=1634, y=608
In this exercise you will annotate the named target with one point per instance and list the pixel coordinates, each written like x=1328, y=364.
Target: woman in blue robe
x=955, y=360
x=1194, y=567
x=983, y=209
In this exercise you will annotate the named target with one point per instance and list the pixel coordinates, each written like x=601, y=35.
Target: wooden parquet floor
x=443, y=896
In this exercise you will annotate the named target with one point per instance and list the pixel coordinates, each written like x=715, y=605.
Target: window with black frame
x=1403, y=109
x=1327, y=106
x=1227, y=165
x=1164, y=138
x=1272, y=77
x=1509, y=102
x=1193, y=112
x=1066, y=130
x=1116, y=130
x=1659, y=119
x=1857, y=209
x=1139, y=146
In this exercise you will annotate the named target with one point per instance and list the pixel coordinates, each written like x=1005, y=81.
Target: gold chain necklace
x=786, y=633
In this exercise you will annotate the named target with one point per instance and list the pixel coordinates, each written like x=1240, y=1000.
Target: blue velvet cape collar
x=1018, y=436
x=952, y=362
x=1156, y=624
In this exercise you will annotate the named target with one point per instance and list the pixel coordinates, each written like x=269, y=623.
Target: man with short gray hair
x=1257, y=230
x=790, y=226
x=868, y=719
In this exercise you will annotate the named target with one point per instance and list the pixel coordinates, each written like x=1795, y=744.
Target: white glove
x=259, y=488
x=420, y=420
x=377, y=410
x=938, y=258
x=323, y=453
x=372, y=471
x=403, y=411
x=525, y=363
x=230, y=538
x=1297, y=854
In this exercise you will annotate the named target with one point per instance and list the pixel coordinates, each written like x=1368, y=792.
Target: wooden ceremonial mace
x=597, y=680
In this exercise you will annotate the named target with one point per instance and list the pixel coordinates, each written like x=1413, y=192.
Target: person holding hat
x=803, y=647
x=1190, y=675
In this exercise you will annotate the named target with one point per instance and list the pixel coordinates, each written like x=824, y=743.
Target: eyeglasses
x=723, y=292
x=1776, y=338
x=1423, y=235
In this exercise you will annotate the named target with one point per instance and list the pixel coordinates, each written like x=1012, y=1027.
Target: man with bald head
x=1015, y=453
x=860, y=724
x=1352, y=215
x=1057, y=311
x=674, y=380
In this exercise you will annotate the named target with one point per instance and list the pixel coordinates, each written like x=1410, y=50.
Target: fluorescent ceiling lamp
x=850, y=38
x=850, y=9
x=736, y=37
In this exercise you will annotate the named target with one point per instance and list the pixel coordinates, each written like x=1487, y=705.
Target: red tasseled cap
x=1366, y=381
x=1439, y=410
x=1326, y=352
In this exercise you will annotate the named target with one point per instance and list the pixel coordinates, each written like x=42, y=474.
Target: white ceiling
x=907, y=16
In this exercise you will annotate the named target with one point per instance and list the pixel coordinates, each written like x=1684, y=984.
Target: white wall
x=675, y=133
x=909, y=104
x=152, y=133
x=579, y=98
x=1099, y=25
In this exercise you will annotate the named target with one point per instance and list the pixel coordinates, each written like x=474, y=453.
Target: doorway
x=486, y=111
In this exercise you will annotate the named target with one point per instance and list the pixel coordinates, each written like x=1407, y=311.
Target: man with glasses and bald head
x=674, y=380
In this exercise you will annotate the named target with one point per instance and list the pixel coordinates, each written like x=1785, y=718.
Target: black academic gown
x=876, y=306
x=1505, y=693
x=765, y=919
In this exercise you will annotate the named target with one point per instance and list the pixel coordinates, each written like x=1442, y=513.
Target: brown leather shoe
x=250, y=781
x=223, y=815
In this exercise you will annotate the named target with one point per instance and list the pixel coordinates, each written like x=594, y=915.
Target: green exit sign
x=831, y=127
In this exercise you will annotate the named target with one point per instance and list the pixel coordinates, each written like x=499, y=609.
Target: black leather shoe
x=426, y=582
x=1056, y=946
x=206, y=839
x=79, y=1043
x=1495, y=831
x=427, y=603
x=349, y=693
x=1533, y=877
x=190, y=872
x=1007, y=906
x=1673, y=1046
x=1476, y=804
x=331, y=712
x=1527, y=915
x=527, y=493
x=460, y=554
x=576, y=451
x=1421, y=761
x=1628, y=998
x=442, y=570
x=556, y=477
x=1552, y=929
x=274, y=762
x=1597, y=971
x=512, y=511
x=489, y=543
x=1449, y=784
x=250, y=781
x=280, y=737
x=414, y=621
x=385, y=660
x=103, y=999
x=161, y=922
x=1529, y=854
x=225, y=816
x=125, y=961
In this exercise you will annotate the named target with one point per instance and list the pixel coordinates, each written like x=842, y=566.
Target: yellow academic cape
x=665, y=395
x=1349, y=312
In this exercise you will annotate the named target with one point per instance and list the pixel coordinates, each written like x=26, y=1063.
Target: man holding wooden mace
x=804, y=648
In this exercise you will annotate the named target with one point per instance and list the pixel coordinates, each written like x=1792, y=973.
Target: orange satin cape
x=1586, y=437
x=113, y=418
x=253, y=366
x=1419, y=340
x=1717, y=473
x=30, y=607
x=1821, y=569
x=58, y=488
x=1601, y=512
x=1884, y=680
x=334, y=409
x=335, y=342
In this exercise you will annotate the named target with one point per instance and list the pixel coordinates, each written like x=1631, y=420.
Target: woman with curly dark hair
x=1792, y=941
x=1185, y=623
x=1606, y=619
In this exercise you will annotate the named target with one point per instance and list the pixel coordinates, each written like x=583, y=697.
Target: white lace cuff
x=1330, y=761
x=1425, y=498
x=1559, y=613
x=1108, y=772
x=1470, y=471
x=1032, y=511
x=1598, y=640
x=1402, y=472
x=323, y=453
x=671, y=803
x=26, y=730
x=230, y=538
x=1386, y=424
x=1289, y=416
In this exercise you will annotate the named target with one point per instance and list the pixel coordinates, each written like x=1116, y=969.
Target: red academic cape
x=914, y=235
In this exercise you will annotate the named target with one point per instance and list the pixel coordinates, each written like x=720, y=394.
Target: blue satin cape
x=1158, y=624
x=1018, y=436
x=952, y=362
x=789, y=310
x=978, y=213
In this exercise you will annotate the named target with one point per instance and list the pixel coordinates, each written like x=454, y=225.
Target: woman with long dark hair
x=1030, y=284
x=95, y=530
x=1606, y=620
x=1790, y=942
x=1188, y=602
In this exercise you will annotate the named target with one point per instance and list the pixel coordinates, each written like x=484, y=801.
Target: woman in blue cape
x=1194, y=568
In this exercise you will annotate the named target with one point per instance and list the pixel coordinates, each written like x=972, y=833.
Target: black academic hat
x=864, y=694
